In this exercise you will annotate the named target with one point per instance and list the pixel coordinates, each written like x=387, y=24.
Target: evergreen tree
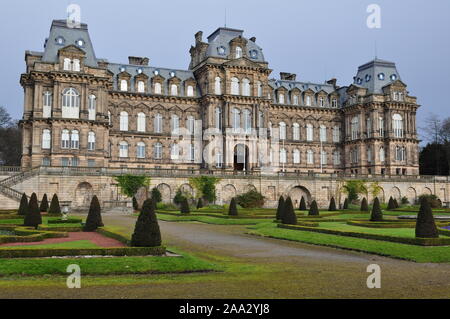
x=364, y=205
x=146, y=232
x=345, y=206
x=425, y=225
x=280, y=208
x=23, y=208
x=33, y=218
x=200, y=203
x=313, y=210
x=288, y=216
x=44, y=204
x=185, y=206
x=391, y=204
x=55, y=209
x=233, y=211
x=396, y=203
x=135, y=204
x=94, y=218
x=303, y=204
x=377, y=214
x=332, y=207
x=156, y=196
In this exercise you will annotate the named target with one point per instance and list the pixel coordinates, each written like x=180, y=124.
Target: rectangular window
x=91, y=163
x=64, y=162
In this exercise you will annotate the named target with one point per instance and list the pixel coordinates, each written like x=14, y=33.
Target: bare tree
x=431, y=131
x=5, y=118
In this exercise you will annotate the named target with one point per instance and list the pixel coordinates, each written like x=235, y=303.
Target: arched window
x=310, y=157
x=296, y=132
x=141, y=119
x=282, y=127
x=369, y=127
x=296, y=156
x=381, y=126
x=158, y=123
x=123, y=149
x=295, y=99
x=323, y=133
x=47, y=104
x=140, y=150
x=259, y=88
x=141, y=87
x=190, y=90
x=238, y=52
x=175, y=151
x=75, y=139
x=336, y=134
x=323, y=158
x=191, y=124
x=191, y=152
x=247, y=121
x=67, y=65
x=283, y=156
x=321, y=101
x=281, y=98
x=46, y=139
x=218, y=118
x=124, y=85
x=400, y=153
x=157, y=88
x=123, y=121
x=71, y=104
x=76, y=65
x=308, y=100
x=309, y=132
x=235, y=86
x=337, y=158
x=175, y=124
x=65, y=139
x=109, y=118
x=219, y=159
x=397, y=125
x=218, y=86
x=382, y=154
x=369, y=154
x=158, y=151
x=174, y=89
x=355, y=127
x=236, y=120
x=246, y=87
x=261, y=119
x=91, y=141
x=270, y=129
x=92, y=107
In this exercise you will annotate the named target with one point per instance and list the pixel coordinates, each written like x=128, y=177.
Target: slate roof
x=376, y=74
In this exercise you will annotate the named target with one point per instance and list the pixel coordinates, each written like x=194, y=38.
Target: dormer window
x=174, y=90
x=76, y=65
x=381, y=76
x=253, y=54
x=238, y=52
x=334, y=103
x=124, y=85
x=221, y=50
x=80, y=42
x=190, y=90
x=308, y=101
x=368, y=78
x=281, y=98
x=157, y=88
x=67, y=66
x=321, y=102
x=60, y=40
x=295, y=100
x=393, y=77
x=141, y=87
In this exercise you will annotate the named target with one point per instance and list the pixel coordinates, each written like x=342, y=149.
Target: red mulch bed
x=95, y=238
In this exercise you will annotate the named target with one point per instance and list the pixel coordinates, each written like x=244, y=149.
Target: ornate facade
x=223, y=113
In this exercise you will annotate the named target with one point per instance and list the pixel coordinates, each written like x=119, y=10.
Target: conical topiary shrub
x=23, y=207
x=146, y=232
x=364, y=205
x=303, y=204
x=425, y=225
x=94, y=218
x=288, y=216
x=396, y=205
x=135, y=204
x=185, y=206
x=345, y=206
x=313, y=210
x=332, y=207
x=33, y=218
x=280, y=208
x=376, y=215
x=232, y=210
x=391, y=204
x=44, y=204
x=199, y=203
x=55, y=209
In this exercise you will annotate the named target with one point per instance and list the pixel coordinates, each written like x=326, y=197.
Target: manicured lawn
x=104, y=266
x=437, y=254
x=77, y=244
x=396, y=232
x=209, y=220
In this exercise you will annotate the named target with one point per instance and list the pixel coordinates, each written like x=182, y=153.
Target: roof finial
x=225, y=17
x=376, y=50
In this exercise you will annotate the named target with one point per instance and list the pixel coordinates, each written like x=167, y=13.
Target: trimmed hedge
x=68, y=221
x=51, y=252
x=27, y=235
x=384, y=224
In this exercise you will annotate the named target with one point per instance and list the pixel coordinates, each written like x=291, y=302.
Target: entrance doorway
x=241, y=158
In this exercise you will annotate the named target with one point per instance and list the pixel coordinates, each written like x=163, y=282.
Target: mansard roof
x=376, y=74
x=302, y=86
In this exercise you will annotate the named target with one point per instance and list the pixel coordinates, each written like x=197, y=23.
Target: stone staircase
x=7, y=183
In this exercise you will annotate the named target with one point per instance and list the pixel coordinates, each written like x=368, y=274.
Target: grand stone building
x=87, y=119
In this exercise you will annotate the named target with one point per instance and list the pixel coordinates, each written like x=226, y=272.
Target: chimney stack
x=136, y=60
x=288, y=76
x=199, y=37
x=332, y=82
x=253, y=39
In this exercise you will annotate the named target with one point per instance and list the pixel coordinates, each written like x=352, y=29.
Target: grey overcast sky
x=316, y=40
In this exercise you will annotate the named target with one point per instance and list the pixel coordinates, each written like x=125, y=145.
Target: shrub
x=179, y=197
x=251, y=199
x=313, y=210
x=233, y=211
x=345, y=206
x=303, y=204
x=332, y=207
x=376, y=215
x=23, y=208
x=156, y=196
x=185, y=206
x=199, y=203
x=433, y=200
x=146, y=232
x=33, y=218
x=94, y=218
x=396, y=203
x=55, y=209
x=391, y=204
x=135, y=203
x=404, y=200
x=364, y=205
x=280, y=208
x=44, y=204
x=425, y=225
x=289, y=216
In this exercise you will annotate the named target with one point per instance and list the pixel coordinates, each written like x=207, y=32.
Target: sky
x=317, y=40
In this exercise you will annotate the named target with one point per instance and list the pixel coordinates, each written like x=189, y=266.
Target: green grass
x=77, y=244
x=396, y=232
x=209, y=220
x=106, y=266
x=438, y=254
